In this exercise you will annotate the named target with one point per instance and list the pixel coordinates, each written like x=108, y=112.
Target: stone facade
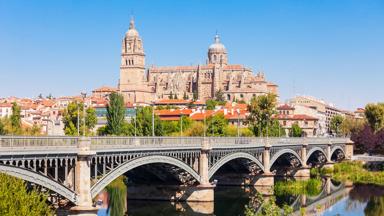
x=141, y=86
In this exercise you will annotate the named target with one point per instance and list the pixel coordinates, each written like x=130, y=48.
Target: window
x=214, y=57
x=228, y=97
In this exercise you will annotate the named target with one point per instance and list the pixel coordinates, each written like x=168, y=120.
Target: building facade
x=144, y=86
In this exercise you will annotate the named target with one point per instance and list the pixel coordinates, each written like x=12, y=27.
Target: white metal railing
x=110, y=142
x=139, y=142
x=28, y=142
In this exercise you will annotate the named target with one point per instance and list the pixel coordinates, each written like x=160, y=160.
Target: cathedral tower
x=132, y=64
x=217, y=54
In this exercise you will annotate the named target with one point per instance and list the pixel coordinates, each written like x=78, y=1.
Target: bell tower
x=132, y=58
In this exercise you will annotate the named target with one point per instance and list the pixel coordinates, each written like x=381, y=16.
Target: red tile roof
x=285, y=107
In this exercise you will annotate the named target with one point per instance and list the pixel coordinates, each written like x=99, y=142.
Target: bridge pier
x=303, y=173
x=349, y=150
x=83, y=180
x=205, y=191
x=264, y=182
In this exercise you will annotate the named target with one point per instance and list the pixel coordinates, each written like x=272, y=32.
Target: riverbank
x=353, y=171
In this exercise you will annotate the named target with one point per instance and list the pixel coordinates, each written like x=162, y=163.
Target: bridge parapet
x=21, y=143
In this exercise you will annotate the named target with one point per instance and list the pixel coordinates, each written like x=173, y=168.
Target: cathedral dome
x=217, y=46
x=132, y=32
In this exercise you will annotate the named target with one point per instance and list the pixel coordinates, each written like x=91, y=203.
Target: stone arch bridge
x=78, y=168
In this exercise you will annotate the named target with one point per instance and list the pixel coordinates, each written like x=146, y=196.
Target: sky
x=332, y=50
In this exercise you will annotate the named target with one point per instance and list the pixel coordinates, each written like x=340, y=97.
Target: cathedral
x=139, y=85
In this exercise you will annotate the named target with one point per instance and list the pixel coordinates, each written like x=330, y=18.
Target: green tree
x=216, y=125
x=117, y=191
x=219, y=96
x=296, y=131
x=3, y=130
x=16, y=199
x=16, y=119
x=115, y=115
x=144, y=123
x=261, y=110
x=375, y=115
x=211, y=104
x=196, y=129
x=336, y=122
x=185, y=96
x=195, y=95
x=70, y=117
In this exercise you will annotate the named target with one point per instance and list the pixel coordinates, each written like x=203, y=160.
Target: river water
x=333, y=199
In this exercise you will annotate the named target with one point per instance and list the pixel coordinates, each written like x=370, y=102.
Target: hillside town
x=312, y=115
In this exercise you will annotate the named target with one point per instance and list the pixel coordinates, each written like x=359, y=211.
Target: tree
x=211, y=104
x=50, y=96
x=185, y=96
x=336, y=122
x=2, y=128
x=195, y=95
x=16, y=118
x=196, y=129
x=144, y=123
x=261, y=110
x=115, y=115
x=16, y=199
x=70, y=117
x=296, y=131
x=216, y=125
x=219, y=96
x=375, y=115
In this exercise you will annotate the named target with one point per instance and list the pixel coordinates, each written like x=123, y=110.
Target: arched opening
x=150, y=170
x=236, y=169
x=316, y=157
x=285, y=162
x=337, y=154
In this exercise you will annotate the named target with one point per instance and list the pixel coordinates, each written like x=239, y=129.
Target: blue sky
x=329, y=49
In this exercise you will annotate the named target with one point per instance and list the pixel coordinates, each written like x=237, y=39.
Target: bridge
x=79, y=168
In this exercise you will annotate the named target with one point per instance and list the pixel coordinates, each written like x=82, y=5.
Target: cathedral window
x=126, y=62
x=214, y=57
x=228, y=97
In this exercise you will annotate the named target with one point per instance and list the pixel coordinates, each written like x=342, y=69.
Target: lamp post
x=204, y=121
x=181, y=124
x=238, y=122
x=84, y=95
x=135, y=118
x=78, y=118
x=153, y=121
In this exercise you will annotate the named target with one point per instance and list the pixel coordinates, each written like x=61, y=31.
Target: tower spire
x=132, y=23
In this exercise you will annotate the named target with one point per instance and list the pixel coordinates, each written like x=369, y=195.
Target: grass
x=353, y=171
x=309, y=187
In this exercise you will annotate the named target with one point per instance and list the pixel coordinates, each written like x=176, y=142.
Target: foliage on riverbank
x=353, y=171
x=309, y=187
x=268, y=207
x=356, y=172
x=117, y=191
x=17, y=199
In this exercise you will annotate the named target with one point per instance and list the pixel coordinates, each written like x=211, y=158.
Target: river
x=333, y=199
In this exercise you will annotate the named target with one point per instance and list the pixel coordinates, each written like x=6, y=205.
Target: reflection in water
x=232, y=201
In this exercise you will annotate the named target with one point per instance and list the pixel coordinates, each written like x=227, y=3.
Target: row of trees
x=367, y=133
x=260, y=121
x=12, y=125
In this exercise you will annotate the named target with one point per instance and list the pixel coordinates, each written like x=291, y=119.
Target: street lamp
x=84, y=95
x=238, y=122
x=153, y=120
x=78, y=118
x=135, y=118
x=204, y=121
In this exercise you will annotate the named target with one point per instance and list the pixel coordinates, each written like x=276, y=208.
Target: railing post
x=83, y=177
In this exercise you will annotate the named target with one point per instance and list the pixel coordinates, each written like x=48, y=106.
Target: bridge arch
x=335, y=149
x=129, y=165
x=44, y=181
x=313, y=150
x=230, y=157
x=282, y=152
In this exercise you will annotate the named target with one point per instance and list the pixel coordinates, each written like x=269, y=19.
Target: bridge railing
x=144, y=142
x=28, y=142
